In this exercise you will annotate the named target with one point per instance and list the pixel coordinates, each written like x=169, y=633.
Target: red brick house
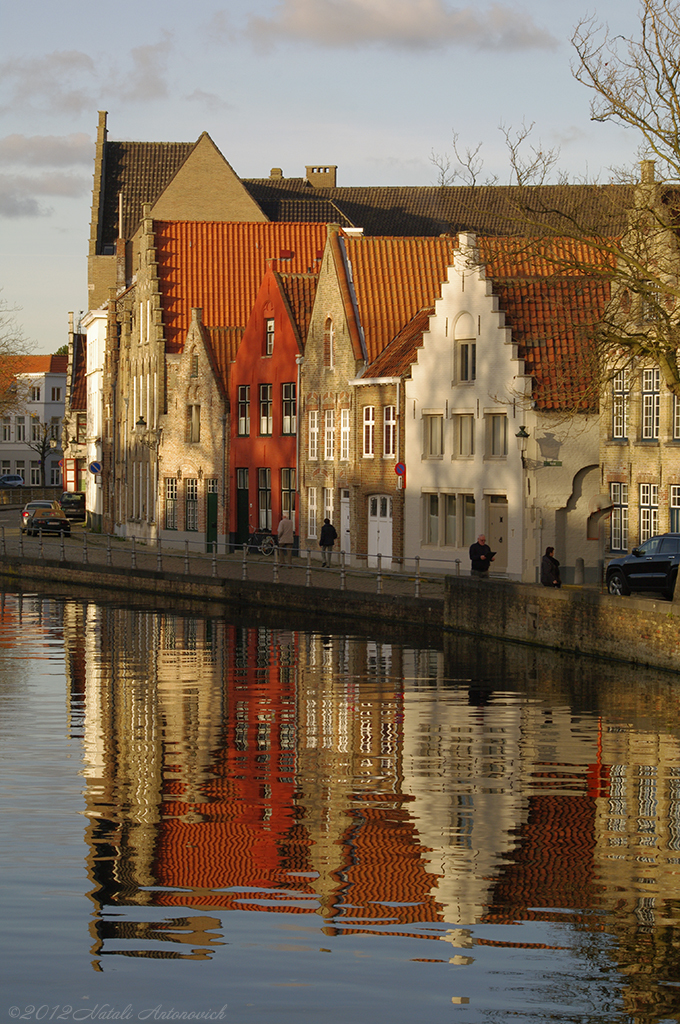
x=263, y=390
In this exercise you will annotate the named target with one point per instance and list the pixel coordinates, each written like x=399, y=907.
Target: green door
x=211, y=523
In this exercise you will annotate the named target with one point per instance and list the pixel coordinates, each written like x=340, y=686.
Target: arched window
x=328, y=339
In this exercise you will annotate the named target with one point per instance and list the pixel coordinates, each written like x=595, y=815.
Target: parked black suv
x=73, y=504
x=651, y=566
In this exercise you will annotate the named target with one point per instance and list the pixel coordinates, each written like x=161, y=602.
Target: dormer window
x=328, y=339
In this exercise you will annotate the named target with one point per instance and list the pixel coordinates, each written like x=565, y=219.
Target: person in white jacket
x=286, y=538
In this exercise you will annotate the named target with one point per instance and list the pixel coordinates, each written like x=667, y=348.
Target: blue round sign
x=400, y=469
x=95, y=467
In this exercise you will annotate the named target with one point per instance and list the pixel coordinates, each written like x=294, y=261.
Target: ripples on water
x=304, y=827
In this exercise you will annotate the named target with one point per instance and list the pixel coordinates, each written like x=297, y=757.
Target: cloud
x=59, y=82
x=147, y=79
x=19, y=193
x=210, y=100
x=47, y=150
x=400, y=24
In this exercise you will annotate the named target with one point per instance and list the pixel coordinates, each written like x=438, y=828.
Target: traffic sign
x=95, y=467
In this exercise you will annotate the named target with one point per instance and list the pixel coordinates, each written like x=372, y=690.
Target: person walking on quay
x=481, y=557
x=326, y=541
x=550, y=569
x=286, y=538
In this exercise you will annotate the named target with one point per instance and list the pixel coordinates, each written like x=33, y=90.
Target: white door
x=379, y=529
x=345, y=543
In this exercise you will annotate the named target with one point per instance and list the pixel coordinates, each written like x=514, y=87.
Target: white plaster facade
x=466, y=401
x=45, y=396
x=94, y=326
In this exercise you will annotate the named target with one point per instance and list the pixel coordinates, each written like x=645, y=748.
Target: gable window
x=191, y=504
x=329, y=434
x=618, y=540
x=193, y=433
x=650, y=404
x=313, y=433
x=369, y=431
x=389, y=432
x=649, y=511
x=35, y=394
x=244, y=410
x=288, y=409
x=328, y=343
x=467, y=361
x=344, y=435
x=194, y=365
x=269, y=336
x=433, y=436
x=498, y=436
x=620, y=389
x=265, y=409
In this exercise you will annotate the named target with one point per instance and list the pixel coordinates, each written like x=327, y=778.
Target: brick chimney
x=322, y=176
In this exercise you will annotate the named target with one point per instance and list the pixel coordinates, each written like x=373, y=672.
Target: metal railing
x=349, y=570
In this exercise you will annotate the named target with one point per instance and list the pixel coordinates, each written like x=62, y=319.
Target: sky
x=374, y=86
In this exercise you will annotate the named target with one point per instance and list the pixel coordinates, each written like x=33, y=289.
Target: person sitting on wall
x=550, y=569
x=481, y=557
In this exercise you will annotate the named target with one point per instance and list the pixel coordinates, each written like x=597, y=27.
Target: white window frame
x=620, y=393
x=269, y=336
x=467, y=360
x=328, y=503
x=311, y=513
x=618, y=538
x=244, y=410
x=389, y=432
x=498, y=436
x=649, y=511
x=20, y=426
x=369, y=431
x=344, y=435
x=433, y=435
x=329, y=434
x=313, y=434
x=464, y=435
x=674, y=511
x=649, y=422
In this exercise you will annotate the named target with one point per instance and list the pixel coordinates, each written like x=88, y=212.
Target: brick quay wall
x=639, y=632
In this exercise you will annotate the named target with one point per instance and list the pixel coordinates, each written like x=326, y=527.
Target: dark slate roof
x=435, y=210
x=141, y=171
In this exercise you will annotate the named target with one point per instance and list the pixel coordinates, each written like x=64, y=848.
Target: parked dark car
x=11, y=480
x=651, y=566
x=31, y=506
x=73, y=505
x=47, y=520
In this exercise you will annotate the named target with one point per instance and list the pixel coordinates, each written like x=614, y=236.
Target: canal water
x=219, y=819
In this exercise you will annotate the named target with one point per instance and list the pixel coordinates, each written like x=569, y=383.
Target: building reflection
x=383, y=787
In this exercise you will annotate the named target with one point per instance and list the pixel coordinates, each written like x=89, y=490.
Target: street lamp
x=149, y=438
x=522, y=439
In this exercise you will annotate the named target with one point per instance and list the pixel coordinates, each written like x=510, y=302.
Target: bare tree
x=13, y=347
x=44, y=438
x=533, y=168
x=464, y=170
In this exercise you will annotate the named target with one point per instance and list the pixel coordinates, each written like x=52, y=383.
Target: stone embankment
x=581, y=620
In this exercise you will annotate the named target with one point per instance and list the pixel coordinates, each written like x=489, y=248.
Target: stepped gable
x=218, y=267
x=223, y=343
x=141, y=171
x=434, y=210
x=299, y=291
x=553, y=297
x=402, y=352
x=393, y=279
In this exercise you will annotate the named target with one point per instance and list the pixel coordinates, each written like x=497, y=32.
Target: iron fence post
x=109, y=557
x=133, y=555
x=417, y=575
x=244, y=574
x=308, y=579
x=343, y=580
x=186, y=557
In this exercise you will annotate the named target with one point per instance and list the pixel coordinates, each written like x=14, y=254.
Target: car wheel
x=617, y=585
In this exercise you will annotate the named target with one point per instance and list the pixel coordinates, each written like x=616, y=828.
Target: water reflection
x=486, y=800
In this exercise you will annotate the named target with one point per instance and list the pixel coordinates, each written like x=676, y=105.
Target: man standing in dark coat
x=481, y=557
x=326, y=541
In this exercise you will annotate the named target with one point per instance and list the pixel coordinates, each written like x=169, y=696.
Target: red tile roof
x=36, y=364
x=396, y=359
x=78, y=399
x=300, y=291
x=218, y=267
x=393, y=279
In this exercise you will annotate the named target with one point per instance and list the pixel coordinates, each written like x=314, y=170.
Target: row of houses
x=32, y=418
x=385, y=358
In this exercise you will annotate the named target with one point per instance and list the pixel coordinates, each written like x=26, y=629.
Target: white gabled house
x=501, y=423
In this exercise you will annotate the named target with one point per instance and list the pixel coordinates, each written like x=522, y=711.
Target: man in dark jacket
x=326, y=541
x=481, y=557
